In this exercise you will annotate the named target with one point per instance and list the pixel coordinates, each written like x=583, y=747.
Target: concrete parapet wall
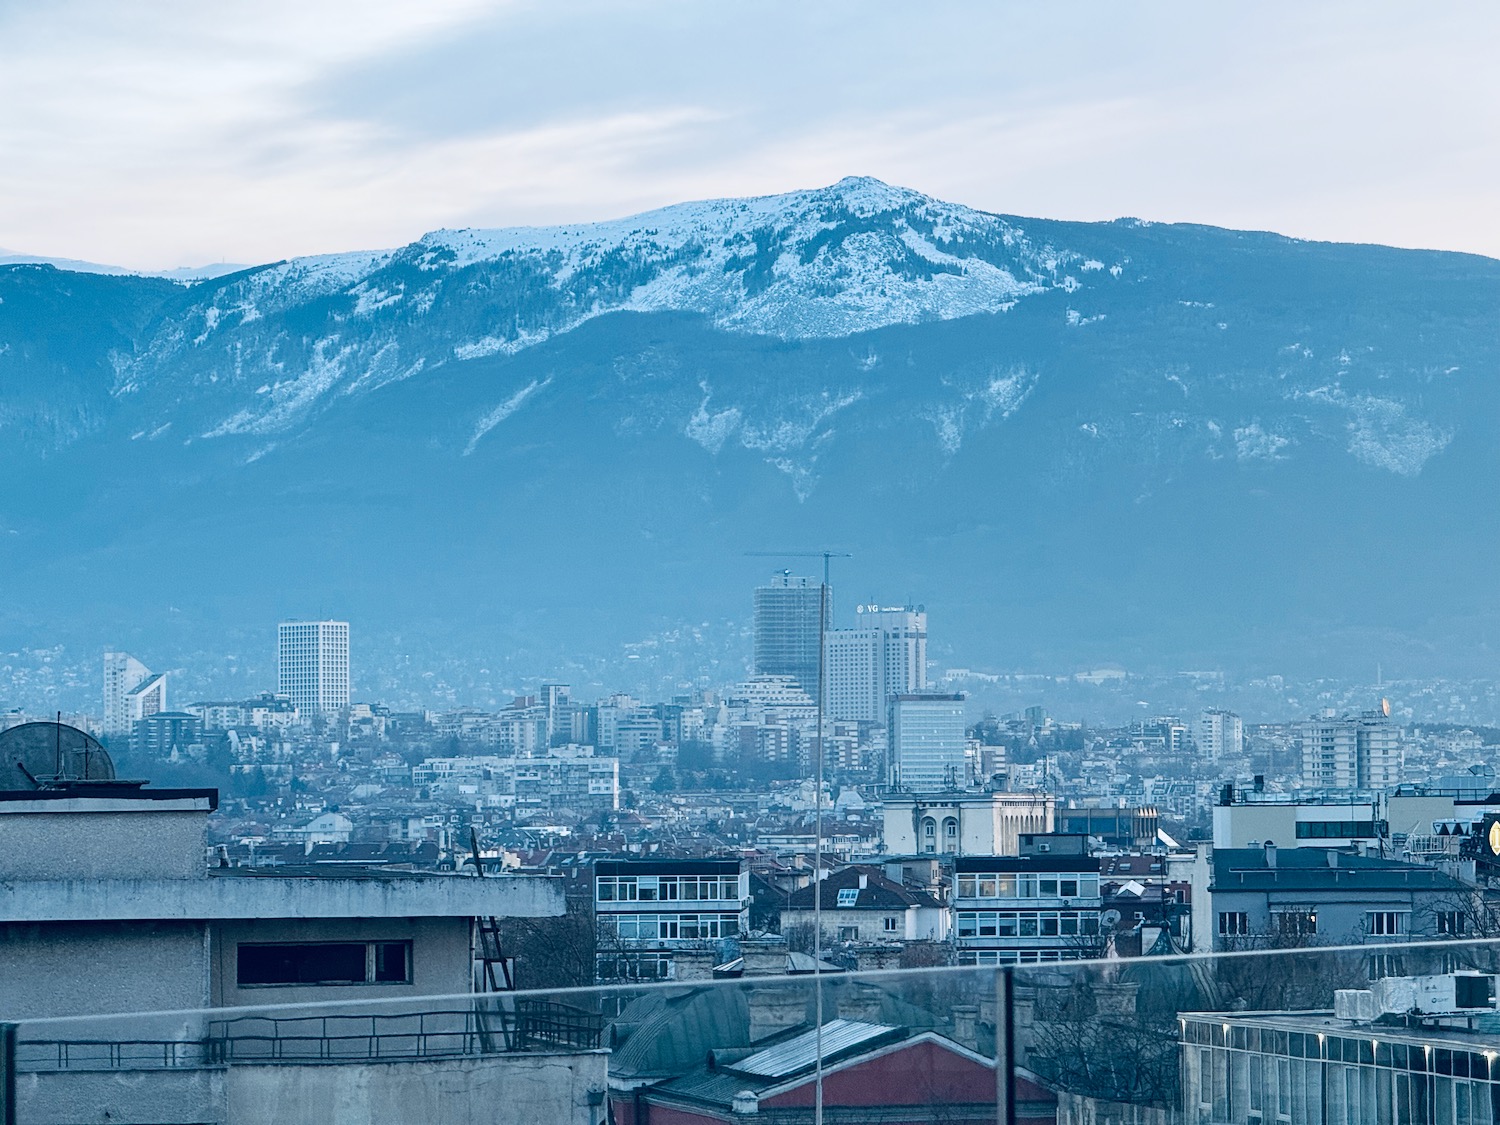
x=100, y=899
x=57, y=839
x=127, y=1097
x=558, y=1089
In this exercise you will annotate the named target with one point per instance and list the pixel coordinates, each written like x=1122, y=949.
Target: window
x=1451, y=923
x=1386, y=923
x=1067, y=888
x=848, y=933
x=1295, y=920
x=328, y=962
x=848, y=896
x=892, y=924
x=635, y=967
x=1335, y=829
x=1233, y=923
x=1386, y=965
x=967, y=886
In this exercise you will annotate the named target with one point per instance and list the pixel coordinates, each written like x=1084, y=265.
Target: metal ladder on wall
x=496, y=975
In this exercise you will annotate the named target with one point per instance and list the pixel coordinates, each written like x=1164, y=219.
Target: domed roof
x=36, y=754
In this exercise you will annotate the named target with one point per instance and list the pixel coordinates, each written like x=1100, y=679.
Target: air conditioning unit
x=1357, y=1004
x=1453, y=994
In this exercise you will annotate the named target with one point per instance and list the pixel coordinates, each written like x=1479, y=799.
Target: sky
x=180, y=134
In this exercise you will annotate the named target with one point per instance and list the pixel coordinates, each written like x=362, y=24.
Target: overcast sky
x=164, y=134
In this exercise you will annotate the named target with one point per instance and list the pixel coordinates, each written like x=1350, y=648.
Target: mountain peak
x=867, y=195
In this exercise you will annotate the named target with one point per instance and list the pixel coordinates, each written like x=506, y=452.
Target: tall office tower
x=1362, y=752
x=556, y=698
x=926, y=740
x=131, y=692
x=885, y=654
x=312, y=662
x=1219, y=734
x=787, y=629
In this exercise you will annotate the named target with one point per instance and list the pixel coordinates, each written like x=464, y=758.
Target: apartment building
x=650, y=910
x=1041, y=905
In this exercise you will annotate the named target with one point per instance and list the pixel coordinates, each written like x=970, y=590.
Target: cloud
x=177, y=133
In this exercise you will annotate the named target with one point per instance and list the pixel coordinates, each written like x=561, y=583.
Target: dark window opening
x=344, y=962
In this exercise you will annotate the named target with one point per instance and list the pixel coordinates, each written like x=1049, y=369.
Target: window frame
x=372, y=957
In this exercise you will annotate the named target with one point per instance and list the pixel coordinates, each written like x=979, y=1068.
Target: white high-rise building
x=312, y=665
x=131, y=692
x=1219, y=734
x=884, y=655
x=1363, y=752
x=927, y=742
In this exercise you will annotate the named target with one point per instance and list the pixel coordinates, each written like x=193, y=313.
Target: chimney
x=1270, y=853
x=1116, y=999
x=745, y=1103
x=966, y=1026
x=861, y=1002
x=775, y=1009
x=764, y=957
x=864, y=880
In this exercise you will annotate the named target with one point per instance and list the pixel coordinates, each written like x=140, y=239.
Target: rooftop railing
x=1283, y=1028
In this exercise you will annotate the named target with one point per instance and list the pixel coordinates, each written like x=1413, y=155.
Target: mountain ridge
x=968, y=399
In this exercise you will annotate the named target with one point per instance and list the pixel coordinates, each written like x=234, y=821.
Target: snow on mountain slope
x=780, y=265
x=274, y=344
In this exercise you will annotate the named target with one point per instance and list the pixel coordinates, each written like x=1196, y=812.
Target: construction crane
x=824, y=555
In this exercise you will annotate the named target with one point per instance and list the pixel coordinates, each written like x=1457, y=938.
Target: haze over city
x=672, y=564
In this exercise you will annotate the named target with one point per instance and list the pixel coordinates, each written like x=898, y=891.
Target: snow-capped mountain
x=1181, y=439
x=850, y=258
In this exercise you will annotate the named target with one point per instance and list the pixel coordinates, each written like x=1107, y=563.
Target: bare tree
x=554, y=952
x=1082, y=1043
x=1282, y=969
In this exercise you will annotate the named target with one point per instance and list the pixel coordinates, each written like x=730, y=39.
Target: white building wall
x=123, y=673
x=313, y=665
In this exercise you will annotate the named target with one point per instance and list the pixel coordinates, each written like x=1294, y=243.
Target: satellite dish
x=40, y=755
x=1109, y=919
x=1385, y=708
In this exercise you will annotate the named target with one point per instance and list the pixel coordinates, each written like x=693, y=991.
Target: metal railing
x=495, y=1026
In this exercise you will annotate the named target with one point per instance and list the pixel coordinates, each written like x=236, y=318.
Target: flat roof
x=667, y=866
x=1009, y=864
x=1321, y=1023
x=104, y=796
x=276, y=895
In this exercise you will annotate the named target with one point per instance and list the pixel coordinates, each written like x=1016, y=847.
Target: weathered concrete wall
x=57, y=843
x=248, y=896
x=496, y=1090
x=441, y=958
x=132, y=1097
x=83, y=968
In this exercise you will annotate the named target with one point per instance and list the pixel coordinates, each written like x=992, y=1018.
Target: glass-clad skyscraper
x=787, y=633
